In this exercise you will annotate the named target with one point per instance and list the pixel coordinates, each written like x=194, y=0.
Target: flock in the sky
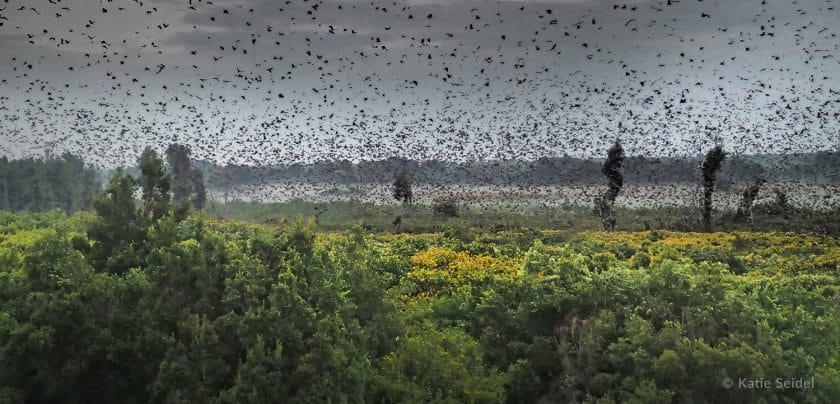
x=263, y=82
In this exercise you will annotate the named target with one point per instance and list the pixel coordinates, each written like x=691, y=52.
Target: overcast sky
x=263, y=82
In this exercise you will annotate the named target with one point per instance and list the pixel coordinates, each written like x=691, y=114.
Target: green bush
x=446, y=207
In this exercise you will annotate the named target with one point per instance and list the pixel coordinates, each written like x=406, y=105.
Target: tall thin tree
x=709, y=170
x=615, y=181
x=748, y=197
x=155, y=183
x=187, y=181
x=199, y=190
x=178, y=158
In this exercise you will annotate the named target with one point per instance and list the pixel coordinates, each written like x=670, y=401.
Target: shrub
x=446, y=207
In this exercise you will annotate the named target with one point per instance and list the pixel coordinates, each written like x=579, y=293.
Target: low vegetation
x=342, y=215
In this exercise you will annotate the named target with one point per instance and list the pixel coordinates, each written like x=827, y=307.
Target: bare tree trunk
x=745, y=207
x=604, y=209
x=398, y=224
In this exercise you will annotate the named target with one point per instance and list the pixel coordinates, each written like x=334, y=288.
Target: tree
x=612, y=170
x=402, y=189
x=178, y=158
x=709, y=170
x=439, y=365
x=120, y=227
x=782, y=200
x=446, y=207
x=187, y=181
x=76, y=185
x=745, y=207
x=42, y=184
x=5, y=175
x=397, y=224
x=222, y=178
x=155, y=183
x=200, y=192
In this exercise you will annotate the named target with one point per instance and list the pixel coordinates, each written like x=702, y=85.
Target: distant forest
x=814, y=168
x=67, y=183
x=33, y=184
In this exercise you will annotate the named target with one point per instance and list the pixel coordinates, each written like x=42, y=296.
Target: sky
x=268, y=82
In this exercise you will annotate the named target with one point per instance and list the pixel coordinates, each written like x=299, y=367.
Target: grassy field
x=343, y=215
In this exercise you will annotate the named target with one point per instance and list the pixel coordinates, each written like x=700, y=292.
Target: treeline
x=67, y=183
x=39, y=184
x=819, y=168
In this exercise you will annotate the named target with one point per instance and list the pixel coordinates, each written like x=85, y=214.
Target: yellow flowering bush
x=439, y=267
x=25, y=238
x=632, y=239
x=434, y=258
x=684, y=241
x=829, y=261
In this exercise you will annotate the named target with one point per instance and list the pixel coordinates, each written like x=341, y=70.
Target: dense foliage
x=402, y=188
x=446, y=207
x=204, y=311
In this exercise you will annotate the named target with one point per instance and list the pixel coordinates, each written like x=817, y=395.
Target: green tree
x=5, y=176
x=120, y=227
x=76, y=183
x=200, y=191
x=155, y=183
x=193, y=370
x=612, y=170
x=402, y=188
x=187, y=181
x=446, y=207
x=260, y=378
x=43, y=184
x=782, y=200
x=65, y=336
x=221, y=178
x=178, y=158
x=439, y=365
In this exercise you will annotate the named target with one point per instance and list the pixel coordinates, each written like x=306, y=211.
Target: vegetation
x=446, y=207
x=42, y=184
x=615, y=180
x=198, y=310
x=343, y=215
x=402, y=188
x=748, y=196
x=144, y=300
x=156, y=184
x=188, y=182
x=709, y=169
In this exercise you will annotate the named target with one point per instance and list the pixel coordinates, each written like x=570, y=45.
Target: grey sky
x=454, y=80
